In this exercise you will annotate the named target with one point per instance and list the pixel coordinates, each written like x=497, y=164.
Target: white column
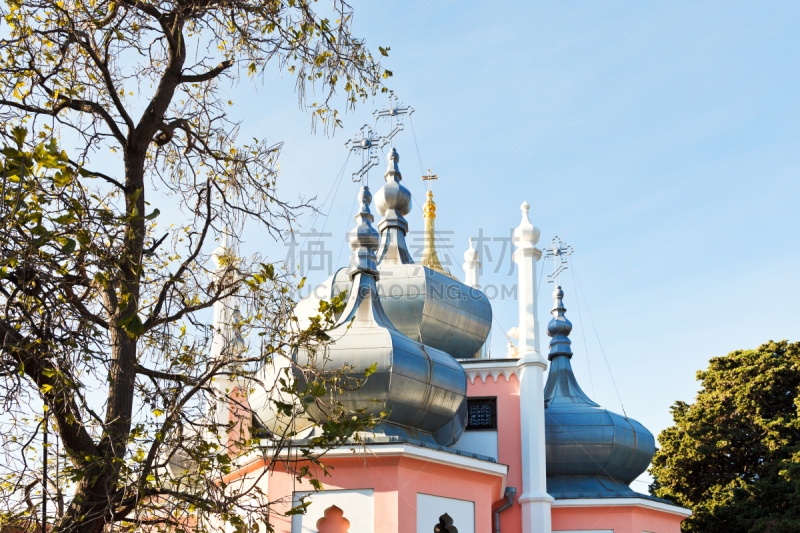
x=472, y=266
x=534, y=500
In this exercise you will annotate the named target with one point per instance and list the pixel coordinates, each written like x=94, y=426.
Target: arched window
x=445, y=525
x=333, y=522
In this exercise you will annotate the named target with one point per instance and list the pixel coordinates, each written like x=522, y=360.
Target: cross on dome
x=558, y=251
x=393, y=110
x=367, y=143
x=430, y=177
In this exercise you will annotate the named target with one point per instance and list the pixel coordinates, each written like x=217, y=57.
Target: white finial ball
x=216, y=256
x=526, y=234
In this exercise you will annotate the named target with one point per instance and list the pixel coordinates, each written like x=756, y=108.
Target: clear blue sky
x=660, y=139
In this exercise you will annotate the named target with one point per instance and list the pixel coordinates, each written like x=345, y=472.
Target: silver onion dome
x=591, y=452
x=393, y=200
x=423, y=389
x=423, y=303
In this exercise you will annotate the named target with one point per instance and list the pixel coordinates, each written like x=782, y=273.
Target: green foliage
x=733, y=456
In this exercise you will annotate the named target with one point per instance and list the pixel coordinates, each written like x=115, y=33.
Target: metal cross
x=430, y=176
x=368, y=143
x=559, y=252
x=393, y=110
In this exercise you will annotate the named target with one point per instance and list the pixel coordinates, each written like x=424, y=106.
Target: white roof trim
x=413, y=452
x=624, y=502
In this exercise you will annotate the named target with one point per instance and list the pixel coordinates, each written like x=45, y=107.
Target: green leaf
x=19, y=133
x=65, y=219
x=69, y=247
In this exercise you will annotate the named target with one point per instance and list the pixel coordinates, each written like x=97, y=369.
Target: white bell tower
x=227, y=339
x=534, y=500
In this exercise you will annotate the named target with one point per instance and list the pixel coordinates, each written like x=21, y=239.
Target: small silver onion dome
x=393, y=200
x=591, y=452
x=363, y=238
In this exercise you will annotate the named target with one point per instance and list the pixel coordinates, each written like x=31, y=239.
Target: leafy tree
x=99, y=302
x=733, y=456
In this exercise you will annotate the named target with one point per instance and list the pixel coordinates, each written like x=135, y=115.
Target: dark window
x=482, y=413
x=445, y=525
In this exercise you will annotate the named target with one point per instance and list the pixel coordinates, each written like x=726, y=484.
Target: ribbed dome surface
x=422, y=302
x=583, y=439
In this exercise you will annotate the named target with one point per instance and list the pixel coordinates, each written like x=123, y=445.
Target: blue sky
x=659, y=139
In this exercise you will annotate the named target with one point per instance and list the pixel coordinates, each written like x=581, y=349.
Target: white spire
x=226, y=327
x=534, y=500
x=227, y=317
x=525, y=237
x=472, y=266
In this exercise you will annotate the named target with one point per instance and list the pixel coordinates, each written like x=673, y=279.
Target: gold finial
x=429, y=257
x=430, y=207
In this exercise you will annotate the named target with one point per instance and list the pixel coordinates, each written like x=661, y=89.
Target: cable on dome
x=591, y=318
x=341, y=248
x=421, y=169
x=337, y=182
x=583, y=333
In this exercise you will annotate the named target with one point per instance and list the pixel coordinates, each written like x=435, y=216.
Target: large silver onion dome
x=423, y=388
x=591, y=452
x=425, y=304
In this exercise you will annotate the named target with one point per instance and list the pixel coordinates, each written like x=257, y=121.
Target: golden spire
x=429, y=257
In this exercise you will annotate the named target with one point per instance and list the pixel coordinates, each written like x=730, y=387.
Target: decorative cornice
x=625, y=502
x=483, y=368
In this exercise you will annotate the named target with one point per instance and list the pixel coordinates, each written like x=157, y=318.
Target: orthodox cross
x=393, y=110
x=430, y=176
x=559, y=252
x=368, y=143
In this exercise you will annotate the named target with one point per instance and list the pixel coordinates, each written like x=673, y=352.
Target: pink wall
x=239, y=416
x=396, y=482
x=509, y=447
x=628, y=519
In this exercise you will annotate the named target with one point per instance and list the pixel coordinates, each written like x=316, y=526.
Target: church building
x=470, y=444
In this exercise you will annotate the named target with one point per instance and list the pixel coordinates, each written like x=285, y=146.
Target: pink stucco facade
x=396, y=481
x=620, y=519
x=509, y=451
